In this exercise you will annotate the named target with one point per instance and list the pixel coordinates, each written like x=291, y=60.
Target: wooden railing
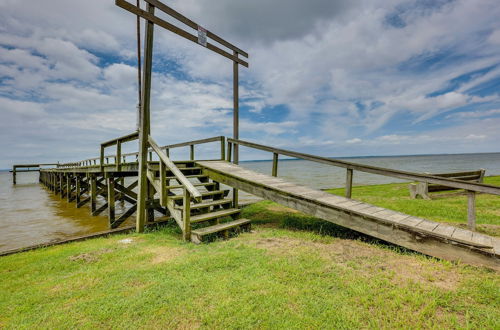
x=118, y=142
x=189, y=190
x=471, y=187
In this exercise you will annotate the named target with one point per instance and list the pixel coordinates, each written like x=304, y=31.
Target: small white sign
x=202, y=36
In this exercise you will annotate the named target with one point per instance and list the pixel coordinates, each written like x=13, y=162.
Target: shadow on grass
x=264, y=214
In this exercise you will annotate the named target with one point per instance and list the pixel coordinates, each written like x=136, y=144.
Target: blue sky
x=335, y=78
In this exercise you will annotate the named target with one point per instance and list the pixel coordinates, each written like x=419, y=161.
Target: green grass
x=450, y=209
x=292, y=272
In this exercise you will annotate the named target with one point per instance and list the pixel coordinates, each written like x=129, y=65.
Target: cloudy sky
x=330, y=77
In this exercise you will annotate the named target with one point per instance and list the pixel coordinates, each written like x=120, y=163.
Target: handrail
x=186, y=144
x=118, y=142
x=460, y=184
x=174, y=169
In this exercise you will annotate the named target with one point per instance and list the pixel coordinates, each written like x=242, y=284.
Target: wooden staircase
x=213, y=215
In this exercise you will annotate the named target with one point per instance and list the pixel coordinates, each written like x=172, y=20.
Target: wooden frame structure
x=145, y=139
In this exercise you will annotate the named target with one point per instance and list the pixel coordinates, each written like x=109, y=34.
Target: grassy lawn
x=451, y=209
x=292, y=271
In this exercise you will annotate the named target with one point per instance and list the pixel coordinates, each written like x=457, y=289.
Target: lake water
x=30, y=214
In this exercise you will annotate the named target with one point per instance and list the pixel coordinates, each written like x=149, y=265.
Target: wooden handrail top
x=183, y=144
x=460, y=184
x=122, y=139
x=175, y=170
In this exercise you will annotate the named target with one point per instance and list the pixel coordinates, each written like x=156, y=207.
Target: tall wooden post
x=236, y=120
x=14, y=175
x=144, y=125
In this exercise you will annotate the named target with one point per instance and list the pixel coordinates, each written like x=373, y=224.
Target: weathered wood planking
x=418, y=234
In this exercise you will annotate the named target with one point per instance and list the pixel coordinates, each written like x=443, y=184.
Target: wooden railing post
x=229, y=151
x=275, y=164
x=348, y=183
x=471, y=209
x=118, y=156
x=222, y=148
x=163, y=184
x=191, y=152
x=186, y=216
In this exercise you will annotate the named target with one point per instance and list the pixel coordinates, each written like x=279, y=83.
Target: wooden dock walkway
x=428, y=237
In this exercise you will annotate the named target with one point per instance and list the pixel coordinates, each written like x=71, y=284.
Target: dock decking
x=428, y=237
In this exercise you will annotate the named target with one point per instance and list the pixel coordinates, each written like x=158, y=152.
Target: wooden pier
x=190, y=192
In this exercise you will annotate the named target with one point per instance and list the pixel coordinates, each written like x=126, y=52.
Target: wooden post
x=101, y=159
x=68, y=187
x=348, y=183
x=222, y=148
x=118, y=156
x=167, y=151
x=144, y=125
x=14, y=175
x=186, y=216
x=163, y=184
x=77, y=190
x=93, y=193
x=111, y=200
x=191, y=152
x=61, y=185
x=236, y=119
x=275, y=164
x=471, y=209
x=229, y=151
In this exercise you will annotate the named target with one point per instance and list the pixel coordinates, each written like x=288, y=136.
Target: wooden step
x=204, y=184
x=214, y=215
x=197, y=234
x=195, y=176
x=203, y=194
x=207, y=204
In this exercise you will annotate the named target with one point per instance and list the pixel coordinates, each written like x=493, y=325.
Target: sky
x=327, y=77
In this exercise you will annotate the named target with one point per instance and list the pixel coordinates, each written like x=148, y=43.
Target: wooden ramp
x=428, y=237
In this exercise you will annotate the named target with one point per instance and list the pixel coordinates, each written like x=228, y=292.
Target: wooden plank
x=461, y=234
x=427, y=225
x=481, y=239
x=444, y=230
x=219, y=227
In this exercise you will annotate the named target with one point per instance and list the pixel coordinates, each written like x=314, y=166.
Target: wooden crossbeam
x=164, y=24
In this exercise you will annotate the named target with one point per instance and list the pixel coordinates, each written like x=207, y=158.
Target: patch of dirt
x=163, y=254
x=367, y=259
x=91, y=256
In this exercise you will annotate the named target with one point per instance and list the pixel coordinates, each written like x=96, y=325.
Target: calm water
x=30, y=214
